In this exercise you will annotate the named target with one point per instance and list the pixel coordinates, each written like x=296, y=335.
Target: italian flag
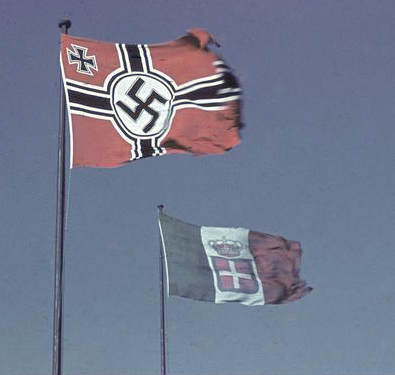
x=221, y=265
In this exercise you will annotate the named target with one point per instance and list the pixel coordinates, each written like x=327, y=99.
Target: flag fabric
x=129, y=101
x=230, y=264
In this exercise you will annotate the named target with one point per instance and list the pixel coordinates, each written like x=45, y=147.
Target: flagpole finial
x=161, y=207
x=64, y=23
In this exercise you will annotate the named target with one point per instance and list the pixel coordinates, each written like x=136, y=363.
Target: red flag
x=126, y=102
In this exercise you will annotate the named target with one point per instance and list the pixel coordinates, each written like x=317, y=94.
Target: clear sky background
x=316, y=164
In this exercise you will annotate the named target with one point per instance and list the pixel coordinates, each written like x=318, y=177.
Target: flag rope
x=68, y=200
x=162, y=304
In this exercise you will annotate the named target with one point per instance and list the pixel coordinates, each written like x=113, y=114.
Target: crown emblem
x=226, y=248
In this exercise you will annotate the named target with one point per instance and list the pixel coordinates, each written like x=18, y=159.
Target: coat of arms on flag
x=129, y=101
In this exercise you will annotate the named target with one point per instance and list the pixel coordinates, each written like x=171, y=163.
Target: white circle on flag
x=142, y=105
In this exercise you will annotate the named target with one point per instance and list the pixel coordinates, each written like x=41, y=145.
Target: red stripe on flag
x=278, y=262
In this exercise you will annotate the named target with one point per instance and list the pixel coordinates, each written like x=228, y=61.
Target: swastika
x=142, y=105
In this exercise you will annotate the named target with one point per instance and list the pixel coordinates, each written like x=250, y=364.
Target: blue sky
x=316, y=164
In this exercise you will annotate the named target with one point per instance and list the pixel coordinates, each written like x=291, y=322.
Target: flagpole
x=162, y=306
x=64, y=25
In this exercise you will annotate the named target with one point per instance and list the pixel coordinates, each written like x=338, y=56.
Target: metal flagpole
x=162, y=306
x=60, y=230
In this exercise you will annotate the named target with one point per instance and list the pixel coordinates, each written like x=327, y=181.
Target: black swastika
x=142, y=106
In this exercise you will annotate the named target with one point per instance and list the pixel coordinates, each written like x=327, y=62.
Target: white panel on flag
x=234, y=270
